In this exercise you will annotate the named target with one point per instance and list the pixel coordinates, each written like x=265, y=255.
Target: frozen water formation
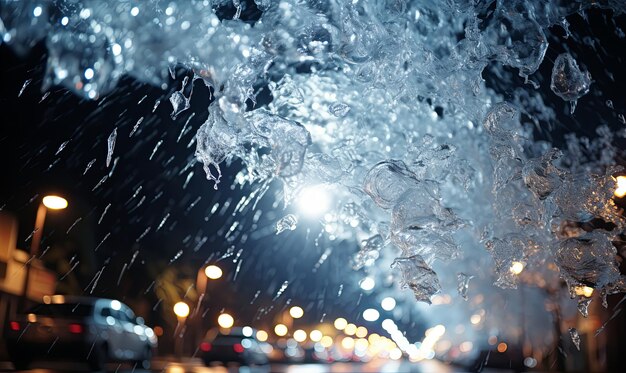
x=568, y=82
x=382, y=102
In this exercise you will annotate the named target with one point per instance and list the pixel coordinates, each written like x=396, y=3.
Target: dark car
x=232, y=345
x=93, y=330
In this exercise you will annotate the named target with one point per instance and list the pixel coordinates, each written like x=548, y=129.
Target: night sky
x=171, y=185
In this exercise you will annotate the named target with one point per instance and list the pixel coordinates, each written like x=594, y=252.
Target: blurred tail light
x=75, y=328
x=238, y=348
x=15, y=326
x=205, y=346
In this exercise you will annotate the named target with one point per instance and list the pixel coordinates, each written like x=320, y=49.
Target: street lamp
x=315, y=335
x=51, y=202
x=299, y=335
x=296, y=312
x=341, y=323
x=181, y=310
x=225, y=321
x=281, y=330
x=213, y=272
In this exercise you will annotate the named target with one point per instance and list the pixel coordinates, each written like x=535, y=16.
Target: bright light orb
x=296, y=312
x=314, y=201
x=299, y=335
x=350, y=329
x=54, y=202
x=225, y=321
x=341, y=323
x=316, y=335
x=213, y=272
x=347, y=343
x=620, y=191
x=326, y=341
x=247, y=331
x=371, y=314
x=361, y=332
x=367, y=283
x=388, y=304
x=389, y=325
x=181, y=309
x=262, y=335
x=395, y=354
x=517, y=268
x=281, y=330
x=584, y=290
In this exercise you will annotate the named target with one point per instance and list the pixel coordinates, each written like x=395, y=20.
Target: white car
x=94, y=330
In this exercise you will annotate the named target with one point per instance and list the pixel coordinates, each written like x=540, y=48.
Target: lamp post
x=212, y=272
x=181, y=310
x=48, y=202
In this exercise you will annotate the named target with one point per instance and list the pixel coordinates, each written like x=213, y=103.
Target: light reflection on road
x=382, y=366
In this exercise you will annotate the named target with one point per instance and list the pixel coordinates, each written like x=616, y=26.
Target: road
x=382, y=366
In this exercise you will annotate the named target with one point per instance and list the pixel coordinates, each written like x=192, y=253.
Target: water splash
x=463, y=286
x=573, y=333
x=111, y=146
x=287, y=222
x=384, y=103
x=26, y=83
x=583, y=306
x=568, y=82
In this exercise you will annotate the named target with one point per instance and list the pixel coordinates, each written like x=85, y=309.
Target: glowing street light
x=281, y=330
x=316, y=335
x=181, y=309
x=341, y=323
x=361, y=332
x=347, y=343
x=620, y=191
x=516, y=268
x=54, y=202
x=51, y=202
x=225, y=320
x=296, y=312
x=262, y=335
x=213, y=272
x=350, y=329
x=326, y=341
x=299, y=335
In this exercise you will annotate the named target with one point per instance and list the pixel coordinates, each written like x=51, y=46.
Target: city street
x=312, y=186
x=400, y=366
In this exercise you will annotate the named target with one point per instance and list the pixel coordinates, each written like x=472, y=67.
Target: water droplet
x=575, y=337
x=111, y=146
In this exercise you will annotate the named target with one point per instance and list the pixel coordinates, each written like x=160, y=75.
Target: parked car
x=94, y=330
x=232, y=345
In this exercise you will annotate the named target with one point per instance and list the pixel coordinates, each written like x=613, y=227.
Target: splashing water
x=463, y=286
x=385, y=104
x=568, y=82
x=287, y=222
x=111, y=146
x=573, y=333
x=583, y=306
